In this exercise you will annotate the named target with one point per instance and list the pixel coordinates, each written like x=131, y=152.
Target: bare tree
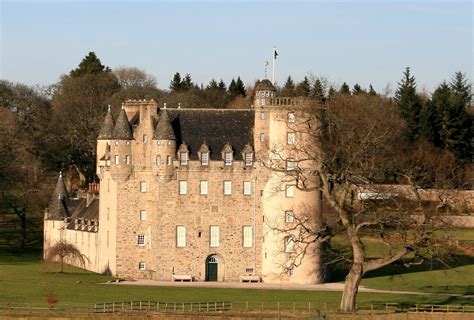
x=129, y=77
x=354, y=152
x=64, y=252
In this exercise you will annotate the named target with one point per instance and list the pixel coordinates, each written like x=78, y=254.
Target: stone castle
x=187, y=194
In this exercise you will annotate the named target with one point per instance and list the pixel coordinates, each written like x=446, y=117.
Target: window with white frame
x=291, y=117
x=117, y=159
x=262, y=115
x=203, y=186
x=145, y=138
x=227, y=187
x=228, y=158
x=291, y=272
x=180, y=236
x=142, y=215
x=291, y=138
x=248, y=158
x=183, y=158
x=214, y=236
x=289, y=244
x=183, y=187
x=141, y=266
x=290, y=165
x=289, y=216
x=141, y=239
x=143, y=186
x=262, y=136
x=247, y=188
x=205, y=158
x=290, y=191
x=168, y=160
x=247, y=236
x=127, y=159
x=158, y=160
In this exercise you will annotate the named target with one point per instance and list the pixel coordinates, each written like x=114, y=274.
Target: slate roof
x=58, y=209
x=107, y=130
x=84, y=211
x=163, y=129
x=122, y=130
x=215, y=128
x=264, y=84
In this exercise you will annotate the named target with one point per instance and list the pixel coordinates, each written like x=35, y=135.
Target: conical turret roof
x=264, y=84
x=122, y=130
x=57, y=206
x=107, y=130
x=163, y=130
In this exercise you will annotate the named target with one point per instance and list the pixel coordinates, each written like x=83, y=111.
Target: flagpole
x=273, y=66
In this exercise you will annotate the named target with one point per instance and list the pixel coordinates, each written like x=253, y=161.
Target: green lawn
x=22, y=280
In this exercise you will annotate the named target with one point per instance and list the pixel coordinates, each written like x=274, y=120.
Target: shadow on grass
x=15, y=255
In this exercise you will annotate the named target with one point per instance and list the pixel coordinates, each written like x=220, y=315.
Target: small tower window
x=142, y=266
x=262, y=115
x=158, y=160
x=205, y=158
x=248, y=158
x=228, y=158
x=289, y=216
x=262, y=137
x=117, y=159
x=291, y=138
x=289, y=244
x=145, y=138
x=141, y=239
x=290, y=165
x=290, y=191
x=168, y=160
x=143, y=186
x=291, y=117
x=183, y=158
x=127, y=159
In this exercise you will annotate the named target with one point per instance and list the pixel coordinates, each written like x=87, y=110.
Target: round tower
x=264, y=93
x=164, y=147
x=121, y=148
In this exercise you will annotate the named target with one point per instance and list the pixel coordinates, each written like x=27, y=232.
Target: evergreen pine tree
x=232, y=88
x=240, y=87
x=176, y=83
x=303, y=88
x=432, y=115
x=288, y=87
x=460, y=86
x=409, y=104
x=221, y=86
x=317, y=91
x=457, y=127
x=357, y=89
x=372, y=91
x=345, y=89
x=331, y=92
x=187, y=82
x=212, y=85
x=89, y=65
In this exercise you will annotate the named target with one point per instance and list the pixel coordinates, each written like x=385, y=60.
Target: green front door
x=212, y=269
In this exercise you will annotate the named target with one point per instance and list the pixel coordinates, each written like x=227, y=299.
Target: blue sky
x=355, y=41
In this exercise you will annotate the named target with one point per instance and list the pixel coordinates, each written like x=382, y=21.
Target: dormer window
x=205, y=158
x=247, y=155
x=227, y=154
x=183, y=155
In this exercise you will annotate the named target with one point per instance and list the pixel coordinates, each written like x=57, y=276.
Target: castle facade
x=188, y=194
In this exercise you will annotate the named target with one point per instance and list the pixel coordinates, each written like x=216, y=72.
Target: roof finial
x=60, y=174
x=164, y=105
x=108, y=109
x=179, y=105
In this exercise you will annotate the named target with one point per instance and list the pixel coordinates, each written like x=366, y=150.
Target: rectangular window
x=142, y=215
x=247, y=237
x=291, y=137
x=289, y=245
x=228, y=158
x=145, y=138
x=183, y=187
x=262, y=136
x=227, y=187
x=247, y=188
x=290, y=165
x=290, y=272
x=183, y=158
x=289, y=216
x=291, y=117
x=168, y=160
x=203, y=187
x=143, y=186
x=214, y=236
x=205, y=158
x=248, y=158
x=262, y=115
x=117, y=159
x=141, y=239
x=180, y=236
x=141, y=266
x=290, y=191
x=158, y=160
x=127, y=159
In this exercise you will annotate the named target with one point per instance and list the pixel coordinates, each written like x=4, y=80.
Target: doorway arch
x=214, y=268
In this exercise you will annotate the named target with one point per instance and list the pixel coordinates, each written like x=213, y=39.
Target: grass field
x=22, y=280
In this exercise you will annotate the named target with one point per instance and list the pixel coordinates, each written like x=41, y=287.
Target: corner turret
x=264, y=92
x=164, y=142
x=57, y=209
x=121, y=148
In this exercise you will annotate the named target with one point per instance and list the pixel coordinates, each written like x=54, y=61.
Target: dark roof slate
x=215, y=128
x=58, y=209
x=84, y=211
x=107, y=130
x=163, y=129
x=122, y=130
x=264, y=84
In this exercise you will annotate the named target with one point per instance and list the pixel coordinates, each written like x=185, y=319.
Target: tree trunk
x=23, y=229
x=351, y=287
x=61, y=260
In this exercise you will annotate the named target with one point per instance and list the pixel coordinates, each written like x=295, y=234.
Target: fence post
x=309, y=305
x=294, y=306
x=432, y=306
x=208, y=306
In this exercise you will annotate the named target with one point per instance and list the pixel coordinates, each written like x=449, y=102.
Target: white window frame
x=145, y=138
x=183, y=158
x=247, y=236
x=127, y=159
x=141, y=240
x=290, y=165
x=142, y=266
x=290, y=191
x=117, y=159
x=289, y=216
x=205, y=158
x=168, y=160
x=262, y=115
x=291, y=117
x=214, y=236
x=228, y=158
x=289, y=244
x=183, y=187
x=142, y=215
x=227, y=187
x=158, y=160
x=248, y=158
x=180, y=236
x=247, y=188
x=262, y=136
x=291, y=138
x=203, y=187
x=143, y=186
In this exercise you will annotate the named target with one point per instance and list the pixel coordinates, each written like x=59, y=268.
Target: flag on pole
x=275, y=53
